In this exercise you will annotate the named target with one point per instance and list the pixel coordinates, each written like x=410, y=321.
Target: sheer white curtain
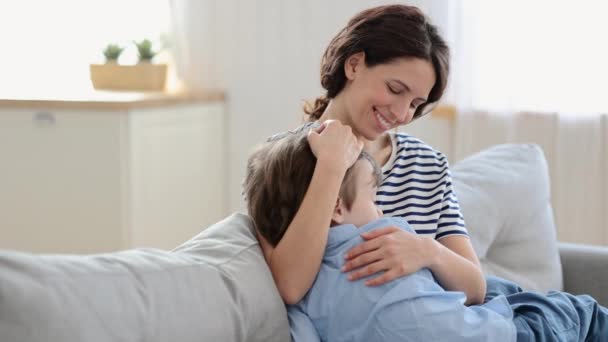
x=530, y=55
x=534, y=71
x=196, y=35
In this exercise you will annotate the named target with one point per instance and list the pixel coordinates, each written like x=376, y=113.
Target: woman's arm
x=457, y=268
x=398, y=253
x=296, y=259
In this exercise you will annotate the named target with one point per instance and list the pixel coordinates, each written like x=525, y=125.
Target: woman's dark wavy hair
x=383, y=33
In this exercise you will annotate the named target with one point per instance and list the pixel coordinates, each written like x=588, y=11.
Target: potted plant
x=145, y=51
x=112, y=52
x=143, y=76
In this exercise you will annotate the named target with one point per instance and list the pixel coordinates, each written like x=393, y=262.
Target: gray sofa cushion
x=585, y=270
x=504, y=195
x=215, y=287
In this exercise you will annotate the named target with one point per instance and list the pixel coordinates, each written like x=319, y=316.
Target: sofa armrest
x=585, y=270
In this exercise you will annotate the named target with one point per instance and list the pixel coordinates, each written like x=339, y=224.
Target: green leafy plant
x=112, y=52
x=145, y=50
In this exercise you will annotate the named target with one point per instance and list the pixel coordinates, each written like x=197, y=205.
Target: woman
x=384, y=69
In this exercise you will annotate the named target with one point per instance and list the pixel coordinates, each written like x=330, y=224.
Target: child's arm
x=296, y=259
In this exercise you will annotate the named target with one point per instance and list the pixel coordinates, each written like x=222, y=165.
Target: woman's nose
x=402, y=111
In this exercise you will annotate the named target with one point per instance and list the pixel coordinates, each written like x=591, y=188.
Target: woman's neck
x=335, y=111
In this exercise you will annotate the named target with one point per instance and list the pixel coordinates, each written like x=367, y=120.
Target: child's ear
x=339, y=211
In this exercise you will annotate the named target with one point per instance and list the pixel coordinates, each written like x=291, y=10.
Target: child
x=278, y=174
x=414, y=307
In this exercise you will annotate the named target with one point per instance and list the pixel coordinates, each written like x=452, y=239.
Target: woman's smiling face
x=379, y=98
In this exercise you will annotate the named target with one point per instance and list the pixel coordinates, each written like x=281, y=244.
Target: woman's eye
x=394, y=91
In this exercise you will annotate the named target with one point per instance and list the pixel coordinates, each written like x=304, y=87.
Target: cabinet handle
x=44, y=118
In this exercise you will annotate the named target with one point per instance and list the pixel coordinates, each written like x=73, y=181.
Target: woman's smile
x=383, y=123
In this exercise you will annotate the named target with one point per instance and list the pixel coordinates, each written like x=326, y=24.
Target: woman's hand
x=335, y=145
x=390, y=250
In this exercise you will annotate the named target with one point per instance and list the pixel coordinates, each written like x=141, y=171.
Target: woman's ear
x=353, y=64
x=339, y=211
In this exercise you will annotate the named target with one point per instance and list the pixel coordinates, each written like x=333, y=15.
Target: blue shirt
x=410, y=308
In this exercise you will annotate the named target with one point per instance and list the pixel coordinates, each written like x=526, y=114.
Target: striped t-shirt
x=417, y=185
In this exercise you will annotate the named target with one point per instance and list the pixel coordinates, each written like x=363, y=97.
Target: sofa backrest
x=215, y=287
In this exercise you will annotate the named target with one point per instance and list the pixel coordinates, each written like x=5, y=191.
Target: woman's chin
x=372, y=131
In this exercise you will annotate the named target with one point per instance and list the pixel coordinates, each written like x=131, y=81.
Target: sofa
x=217, y=287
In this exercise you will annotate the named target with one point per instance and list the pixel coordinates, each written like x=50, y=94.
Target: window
x=534, y=55
x=47, y=46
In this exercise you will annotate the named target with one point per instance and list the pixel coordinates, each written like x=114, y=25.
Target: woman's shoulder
x=406, y=144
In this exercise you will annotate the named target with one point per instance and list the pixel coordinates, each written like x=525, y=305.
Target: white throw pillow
x=504, y=195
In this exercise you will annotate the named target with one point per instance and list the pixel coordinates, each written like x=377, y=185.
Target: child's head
x=357, y=200
x=278, y=174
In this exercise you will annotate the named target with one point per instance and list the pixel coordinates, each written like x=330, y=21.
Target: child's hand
x=390, y=250
x=335, y=145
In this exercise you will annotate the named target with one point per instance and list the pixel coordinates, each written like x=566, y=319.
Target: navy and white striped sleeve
x=451, y=221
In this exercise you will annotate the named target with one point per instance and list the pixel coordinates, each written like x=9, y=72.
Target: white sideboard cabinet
x=94, y=176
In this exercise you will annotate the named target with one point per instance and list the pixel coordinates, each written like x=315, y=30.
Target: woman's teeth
x=385, y=124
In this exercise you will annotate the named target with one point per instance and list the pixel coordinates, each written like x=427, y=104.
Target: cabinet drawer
x=60, y=180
